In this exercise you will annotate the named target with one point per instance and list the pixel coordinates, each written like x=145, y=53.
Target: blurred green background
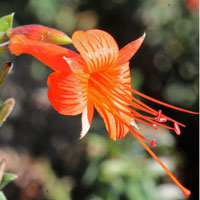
x=43, y=147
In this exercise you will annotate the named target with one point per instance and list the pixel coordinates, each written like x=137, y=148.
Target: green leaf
x=7, y=178
x=5, y=109
x=5, y=23
x=4, y=71
x=4, y=46
x=2, y=196
x=2, y=168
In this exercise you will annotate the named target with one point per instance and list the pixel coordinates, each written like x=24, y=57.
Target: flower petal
x=87, y=117
x=97, y=47
x=50, y=54
x=111, y=100
x=76, y=65
x=114, y=126
x=127, y=52
x=68, y=92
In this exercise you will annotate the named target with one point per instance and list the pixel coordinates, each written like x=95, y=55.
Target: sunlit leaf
x=4, y=46
x=5, y=24
x=2, y=196
x=5, y=109
x=2, y=168
x=7, y=178
x=4, y=71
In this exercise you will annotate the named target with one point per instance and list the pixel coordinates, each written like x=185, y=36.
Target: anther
x=154, y=126
x=159, y=118
x=159, y=114
x=162, y=119
x=153, y=143
x=177, y=129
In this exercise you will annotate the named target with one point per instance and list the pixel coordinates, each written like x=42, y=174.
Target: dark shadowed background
x=43, y=147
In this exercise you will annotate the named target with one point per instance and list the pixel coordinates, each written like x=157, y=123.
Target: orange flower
x=99, y=78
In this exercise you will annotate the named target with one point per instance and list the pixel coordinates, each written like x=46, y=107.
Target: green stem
x=4, y=46
x=3, y=36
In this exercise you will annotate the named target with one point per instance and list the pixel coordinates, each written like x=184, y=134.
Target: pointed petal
x=87, y=117
x=114, y=126
x=76, y=65
x=98, y=48
x=127, y=52
x=68, y=92
x=50, y=54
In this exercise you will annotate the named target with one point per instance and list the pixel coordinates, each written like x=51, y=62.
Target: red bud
x=41, y=33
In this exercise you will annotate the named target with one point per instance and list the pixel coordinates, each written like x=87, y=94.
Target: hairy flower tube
x=98, y=77
x=40, y=33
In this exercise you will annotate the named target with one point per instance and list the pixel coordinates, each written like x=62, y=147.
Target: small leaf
x=2, y=196
x=2, y=168
x=5, y=109
x=3, y=36
x=5, y=23
x=4, y=71
x=4, y=46
x=7, y=178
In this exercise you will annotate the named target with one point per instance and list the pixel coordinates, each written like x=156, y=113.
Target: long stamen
x=112, y=108
x=111, y=105
x=185, y=191
x=117, y=94
x=162, y=103
x=150, y=110
x=149, y=119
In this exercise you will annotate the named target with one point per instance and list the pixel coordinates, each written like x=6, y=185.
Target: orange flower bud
x=41, y=33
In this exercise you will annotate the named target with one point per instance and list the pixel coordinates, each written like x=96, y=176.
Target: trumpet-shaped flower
x=99, y=78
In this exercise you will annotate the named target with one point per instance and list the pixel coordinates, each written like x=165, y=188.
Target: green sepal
x=6, y=22
x=5, y=109
x=2, y=168
x=4, y=46
x=2, y=196
x=4, y=71
x=7, y=178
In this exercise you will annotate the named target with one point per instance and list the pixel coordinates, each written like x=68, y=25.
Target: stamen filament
x=111, y=107
x=162, y=103
x=185, y=191
x=150, y=110
x=116, y=94
x=114, y=110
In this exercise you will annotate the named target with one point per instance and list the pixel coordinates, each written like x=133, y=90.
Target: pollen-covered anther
x=177, y=128
x=159, y=114
x=154, y=126
x=162, y=119
x=159, y=118
x=153, y=143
